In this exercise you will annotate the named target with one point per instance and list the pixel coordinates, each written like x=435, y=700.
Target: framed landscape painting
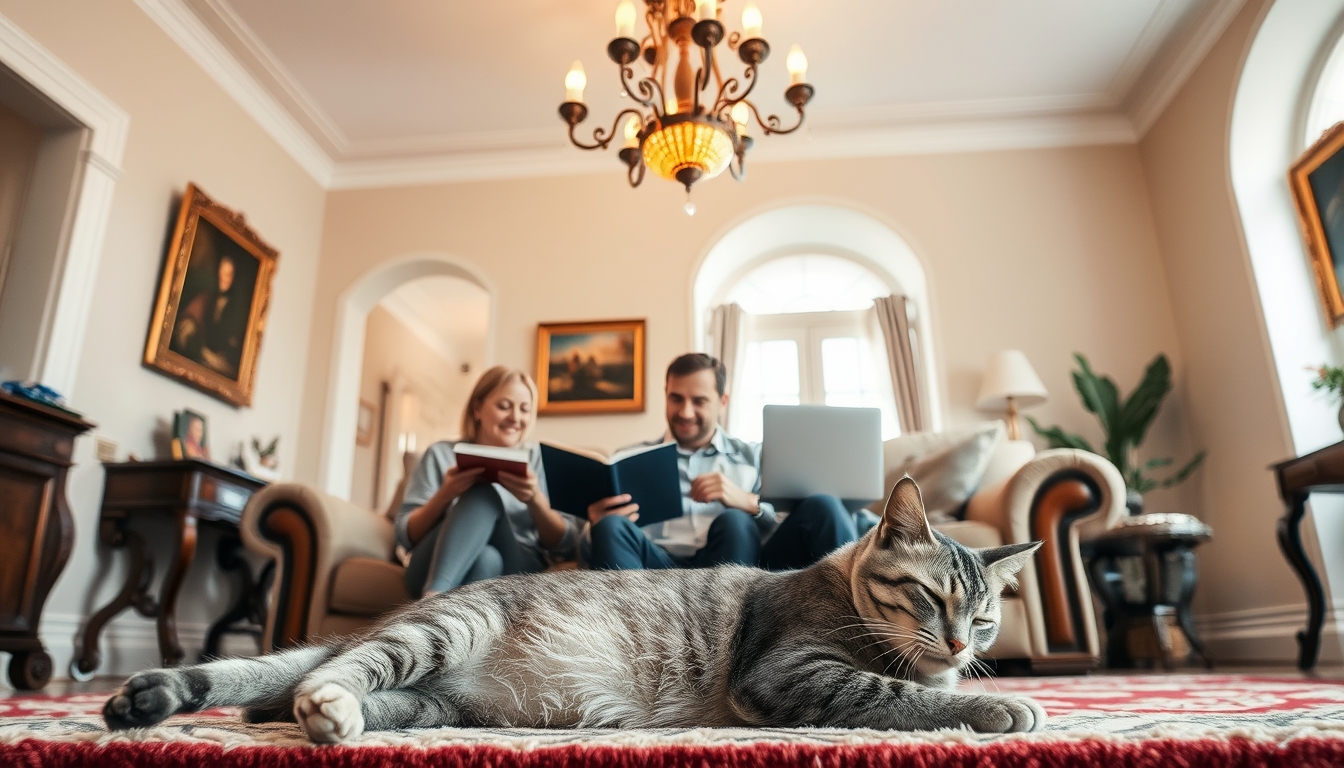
x=212, y=301
x=595, y=367
x=1317, y=181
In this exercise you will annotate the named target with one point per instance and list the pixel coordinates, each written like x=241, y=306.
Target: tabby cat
x=872, y=636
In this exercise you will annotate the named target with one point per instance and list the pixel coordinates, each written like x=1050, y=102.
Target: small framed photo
x=1317, y=181
x=364, y=425
x=592, y=367
x=189, y=436
x=212, y=301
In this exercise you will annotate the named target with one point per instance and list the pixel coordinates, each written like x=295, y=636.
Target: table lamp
x=1010, y=383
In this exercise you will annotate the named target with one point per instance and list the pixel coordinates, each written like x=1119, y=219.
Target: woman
x=459, y=529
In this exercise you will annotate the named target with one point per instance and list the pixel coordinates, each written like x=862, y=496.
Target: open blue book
x=576, y=480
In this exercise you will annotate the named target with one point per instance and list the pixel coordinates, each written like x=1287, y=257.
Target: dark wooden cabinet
x=37, y=531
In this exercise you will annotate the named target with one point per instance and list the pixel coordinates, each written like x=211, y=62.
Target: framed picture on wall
x=212, y=301
x=592, y=367
x=1317, y=181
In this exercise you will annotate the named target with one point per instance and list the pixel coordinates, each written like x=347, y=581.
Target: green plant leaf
x=1059, y=438
x=1139, y=410
x=1157, y=463
x=1185, y=471
x=1135, y=481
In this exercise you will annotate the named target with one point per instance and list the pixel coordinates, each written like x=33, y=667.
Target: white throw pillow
x=947, y=465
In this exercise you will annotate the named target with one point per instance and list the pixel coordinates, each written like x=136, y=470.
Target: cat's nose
x=954, y=645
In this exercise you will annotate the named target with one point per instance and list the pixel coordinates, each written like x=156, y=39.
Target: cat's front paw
x=329, y=714
x=145, y=699
x=1003, y=714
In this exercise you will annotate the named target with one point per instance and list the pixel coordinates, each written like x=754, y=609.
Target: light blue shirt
x=740, y=462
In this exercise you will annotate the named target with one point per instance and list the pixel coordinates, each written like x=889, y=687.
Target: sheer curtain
x=727, y=330
x=894, y=320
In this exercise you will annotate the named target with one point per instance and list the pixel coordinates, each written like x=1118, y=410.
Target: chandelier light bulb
x=751, y=21
x=625, y=19
x=670, y=105
x=632, y=132
x=706, y=9
x=576, y=81
x=740, y=114
x=797, y=64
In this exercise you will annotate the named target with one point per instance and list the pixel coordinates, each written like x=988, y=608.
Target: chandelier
x=678, y=132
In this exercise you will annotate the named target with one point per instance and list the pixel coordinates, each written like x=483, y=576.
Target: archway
x=352, y=309
x=829, y=229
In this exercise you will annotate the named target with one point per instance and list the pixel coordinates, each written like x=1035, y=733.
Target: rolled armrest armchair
x=1059, y=497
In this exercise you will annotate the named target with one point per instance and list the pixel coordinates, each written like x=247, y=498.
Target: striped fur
x=874, y=635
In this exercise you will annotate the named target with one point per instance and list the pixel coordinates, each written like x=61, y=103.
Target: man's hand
x=524, y=488
x=715, y=486
x=613, y=505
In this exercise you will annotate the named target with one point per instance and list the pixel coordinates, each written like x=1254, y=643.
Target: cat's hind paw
x=1004, y=714
x=329, y=714
x=145, y=699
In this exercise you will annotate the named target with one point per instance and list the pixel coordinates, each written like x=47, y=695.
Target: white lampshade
x=1008, y=374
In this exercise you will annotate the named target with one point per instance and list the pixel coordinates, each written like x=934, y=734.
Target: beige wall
x=1231, y=393
x=183, y=128
x=1051, y=251
x=19, y=141
x=437, y=387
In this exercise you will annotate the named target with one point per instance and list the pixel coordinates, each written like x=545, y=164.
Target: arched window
x=811, y=338
x=1327, y=100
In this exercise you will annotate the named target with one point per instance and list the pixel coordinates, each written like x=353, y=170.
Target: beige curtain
x=727, y=331
x=902, y=354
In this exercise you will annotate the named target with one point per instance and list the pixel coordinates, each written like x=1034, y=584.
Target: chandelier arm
x=739, y=171
x=601, y=137
x=635, y=174
x=648, y=88
x=726, y=98
x=770, y=125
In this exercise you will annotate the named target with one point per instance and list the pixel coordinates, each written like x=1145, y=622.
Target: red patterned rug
x=1155, y=720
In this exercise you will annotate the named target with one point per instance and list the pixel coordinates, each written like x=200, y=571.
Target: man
x=723, y=522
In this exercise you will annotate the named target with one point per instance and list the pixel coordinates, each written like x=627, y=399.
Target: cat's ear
x=904, y=519
x=1005, y=562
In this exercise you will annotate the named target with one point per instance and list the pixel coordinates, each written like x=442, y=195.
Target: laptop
x=811, y=449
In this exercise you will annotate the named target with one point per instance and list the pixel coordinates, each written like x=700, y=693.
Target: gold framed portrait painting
x=212, y=301
x=1317, y=181
x=592, y=367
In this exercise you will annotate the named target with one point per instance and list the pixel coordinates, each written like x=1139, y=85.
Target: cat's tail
x=263, y=685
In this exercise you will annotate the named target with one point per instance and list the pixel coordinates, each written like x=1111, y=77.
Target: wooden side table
x=180, y=493
x=37, y=531
x=1318, y=472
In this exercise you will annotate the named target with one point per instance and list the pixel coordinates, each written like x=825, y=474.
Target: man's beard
x=701, y=430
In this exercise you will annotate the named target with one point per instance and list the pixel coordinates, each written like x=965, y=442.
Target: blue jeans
x=818, y=526
x=618, y=544
x=474, y=541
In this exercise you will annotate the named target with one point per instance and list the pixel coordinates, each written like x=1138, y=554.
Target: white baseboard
x=1268, y=634
x=128, y=644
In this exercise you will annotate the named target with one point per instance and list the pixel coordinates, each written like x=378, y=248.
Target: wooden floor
x=108, y=684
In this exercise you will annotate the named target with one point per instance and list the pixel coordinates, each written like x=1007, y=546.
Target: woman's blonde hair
x=490, y=381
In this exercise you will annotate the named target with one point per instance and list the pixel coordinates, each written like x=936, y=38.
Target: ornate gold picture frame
x=1317, y=181
x=212, y=301
x=592, y=367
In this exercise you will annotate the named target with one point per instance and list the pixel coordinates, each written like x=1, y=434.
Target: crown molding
x=1174, y=65
x=192, y=36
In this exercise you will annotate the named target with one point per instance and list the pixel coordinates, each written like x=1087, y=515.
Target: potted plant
x=1124, y=423
x=1330, y=379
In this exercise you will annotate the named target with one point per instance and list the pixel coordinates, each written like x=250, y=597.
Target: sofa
x=336, y=570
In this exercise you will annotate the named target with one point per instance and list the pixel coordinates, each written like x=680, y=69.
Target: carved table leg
x=114, y=534
x=169, y=647
x=1290, y=541
x=247, y=607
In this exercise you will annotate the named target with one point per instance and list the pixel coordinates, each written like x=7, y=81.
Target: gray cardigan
x=428, y=475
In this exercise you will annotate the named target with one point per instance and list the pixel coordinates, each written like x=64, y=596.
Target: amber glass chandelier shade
x=698, y=145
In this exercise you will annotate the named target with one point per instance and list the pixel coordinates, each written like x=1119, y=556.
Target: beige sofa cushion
x=971, y=534
x=363, y=586
x=947, y=465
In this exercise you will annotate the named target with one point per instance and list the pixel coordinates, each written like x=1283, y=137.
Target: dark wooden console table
x=1318, y=472
x=37, y=531
x=183, y=493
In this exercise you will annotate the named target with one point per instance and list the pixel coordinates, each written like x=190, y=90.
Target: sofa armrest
x=307, y=533
x=1060, y=497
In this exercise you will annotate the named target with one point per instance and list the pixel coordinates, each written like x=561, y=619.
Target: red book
x=493, y=459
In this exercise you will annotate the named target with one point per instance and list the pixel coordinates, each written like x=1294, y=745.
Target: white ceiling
x=449, y=314
x=376, y=93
